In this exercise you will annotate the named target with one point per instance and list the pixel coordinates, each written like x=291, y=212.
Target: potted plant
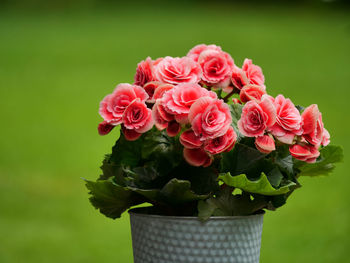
x=203, y=143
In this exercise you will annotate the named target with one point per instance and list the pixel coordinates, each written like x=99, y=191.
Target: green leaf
x=236, y=112
x=261, y=186
x=324, y=164
x=111, y=199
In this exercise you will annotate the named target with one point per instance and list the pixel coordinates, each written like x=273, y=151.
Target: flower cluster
x=184, y=97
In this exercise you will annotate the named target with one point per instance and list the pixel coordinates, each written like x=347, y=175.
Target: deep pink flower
x=138, y=117
x=178, y=70
x=209, y=118
x=104, y=128
x=150, y=88
x=265, y=143
x=173, y=128
x=288, y=120
x=222, y=143
x=113, y=105
x=144, y=72
x=306, y=153
x=217, y=66
x=251, y=92
x=197, y=50
x=130, y=135
x=190, y=140
x=257, y=117
x=248, y=74
x=160, y=91
x=178, y=100
x=197, y=157
x=161, y=116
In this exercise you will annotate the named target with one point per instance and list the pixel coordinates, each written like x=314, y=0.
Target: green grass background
x=55, y=67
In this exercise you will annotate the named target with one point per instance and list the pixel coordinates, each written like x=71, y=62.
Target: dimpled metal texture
x=166, y=239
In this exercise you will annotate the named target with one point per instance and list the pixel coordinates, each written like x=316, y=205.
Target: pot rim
x=142, y=212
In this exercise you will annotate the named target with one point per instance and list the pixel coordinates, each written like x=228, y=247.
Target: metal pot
x=176, y=239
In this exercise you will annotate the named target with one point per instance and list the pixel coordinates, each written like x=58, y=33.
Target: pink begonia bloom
x=209, y=118
x=104, y=128
x=138, y=117
x=197, y=157
x=248, y=74
x=150, y=88
x=313, y=128
x=251, y=92
x=190, y=140
x=216, y=66
x=178, y=100
x=160, y=91
x=144, y=72
x=197, y=50
x=222, y=143
x=178, y=70
x=236, y=101
x=161, y=116
x=288, y=120
x=257, y=117
x=265, y=144
x=130, y=135
x=173, y=128
x=112, y=107
x=306, y=153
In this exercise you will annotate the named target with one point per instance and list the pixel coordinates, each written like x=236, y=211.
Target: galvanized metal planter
x=171, y=239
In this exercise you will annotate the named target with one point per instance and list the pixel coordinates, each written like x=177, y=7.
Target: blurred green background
x=59, y=59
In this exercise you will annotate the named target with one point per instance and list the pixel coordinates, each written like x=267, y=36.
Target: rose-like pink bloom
x=265, y=144
x=144, y=72
x=130, y=135
x=150, y=88
x=251, y=92
x=313, y=128
x=178, y=100
x=326, y=138
x=160, y=91
x=178, y=70
x=216, y=66
x=288, y=120
x=248, y=74
x=197, y=50
x=173, y=128
x=257, y=117
x=190, y=140
x=104, y=128
x=197, y=157
x=161, y=116
x=209, y=118
x=113, y=105
x=222, y=143
x=138, y=117
x=306, y=153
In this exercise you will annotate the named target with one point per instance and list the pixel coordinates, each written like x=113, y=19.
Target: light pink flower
x=257, y=117
x=222, y=143
x=313, y=128
x=197, y=50
x=160, y=91
x=144, y=72
x=113, y=105
x=265, y=144
x=104, y=128
x=138, y=117
x=326, y=138
x=306, y=153
x=190, y=140
x=161, y=116
x=288, y=120
x=178, y=70
x=249, y=74
x=197, y=157
x=216, y=66
x=178, y=100
x=251, y=92
x=209, y=118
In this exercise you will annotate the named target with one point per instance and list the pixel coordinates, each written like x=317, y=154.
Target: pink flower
x=257, y=117
x=236, y=101
x=197, y=50
x=112, y=107
x=288, y=120
x=150, y=88
x=178, y=100
x=197, y=157
x=144, y=72
x=249, y=74
x=216, y=66
x=251, y=92
x=138, y=117
x=104, y=128
x=306, y=153
x=173, y=128
x=265, y=144
x=222, y=143
x=178, y=70
x=130, y=135
x=160, y=91
x=161, y=116
x=209, y=118
x=190, y=140
x=313, y=128
x=326, y=138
